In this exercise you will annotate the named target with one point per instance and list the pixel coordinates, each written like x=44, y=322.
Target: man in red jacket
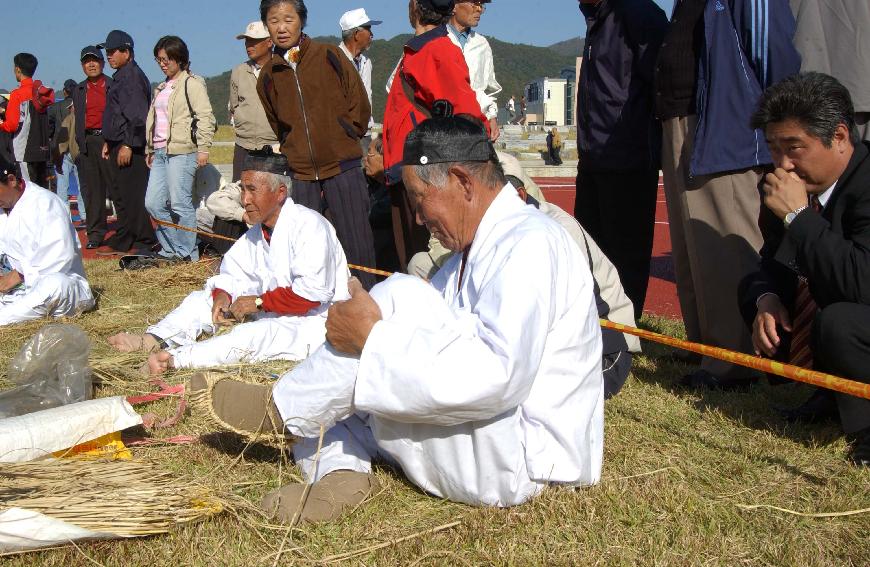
x=432, y=68
x=27, y=124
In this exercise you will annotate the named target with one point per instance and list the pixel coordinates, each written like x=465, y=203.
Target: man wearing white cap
x=246, y=111
x=356, y=38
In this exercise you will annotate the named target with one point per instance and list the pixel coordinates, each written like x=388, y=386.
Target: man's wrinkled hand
x=9, y=281
x=784, y=192
x=220, y=305
x=765, y=337
x=494, y=130
x=244, y=306
x=349, y=323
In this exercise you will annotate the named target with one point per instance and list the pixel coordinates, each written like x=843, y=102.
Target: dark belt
x=93, y=132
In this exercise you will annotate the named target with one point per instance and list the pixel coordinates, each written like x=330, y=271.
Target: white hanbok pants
x=268, y=337
x=53, y=295
x=478, y=463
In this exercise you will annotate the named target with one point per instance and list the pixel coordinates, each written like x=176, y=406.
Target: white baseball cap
x=255, y=30
x=356, y=18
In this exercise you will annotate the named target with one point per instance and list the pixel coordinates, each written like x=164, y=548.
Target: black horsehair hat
x=446, y=138
x=267, y=161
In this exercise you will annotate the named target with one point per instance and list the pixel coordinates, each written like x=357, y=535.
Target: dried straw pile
x=129, y=499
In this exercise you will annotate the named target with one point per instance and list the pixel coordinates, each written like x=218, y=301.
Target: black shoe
x=821, y=406
x=92, y=245
x=860, y=453
x=703, y=379
x=135, y=262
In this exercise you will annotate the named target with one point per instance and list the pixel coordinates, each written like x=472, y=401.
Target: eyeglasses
x=162, y=60
x=477, y=3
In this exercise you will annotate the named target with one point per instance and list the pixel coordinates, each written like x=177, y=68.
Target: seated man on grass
x=613, y=304
x=483, y=387
x=809, y=302
x=41, y=270
x=283, y=275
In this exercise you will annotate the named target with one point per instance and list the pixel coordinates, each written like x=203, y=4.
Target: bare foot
x=128, y=342
x=159, y=362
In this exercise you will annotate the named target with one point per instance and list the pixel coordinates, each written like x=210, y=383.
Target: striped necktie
x=804, y=313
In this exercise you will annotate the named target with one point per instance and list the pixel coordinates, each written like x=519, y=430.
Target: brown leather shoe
x=329, y=498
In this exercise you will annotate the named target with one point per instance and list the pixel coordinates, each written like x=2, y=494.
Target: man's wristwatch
x=789, y=218
x=258, y=302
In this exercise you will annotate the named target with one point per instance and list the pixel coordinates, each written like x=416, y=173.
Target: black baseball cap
x=117, y=39
x=8, y=168
x=69, y=85
x=443, y=7
x=92, y=51
x=446, y=138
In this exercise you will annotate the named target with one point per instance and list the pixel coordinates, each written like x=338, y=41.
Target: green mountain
x=571, y=47
x=515, y=65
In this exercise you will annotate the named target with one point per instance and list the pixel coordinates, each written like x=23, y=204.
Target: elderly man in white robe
x=613, y=303
x=282, y=276
x=483, y=387
x=41, y=270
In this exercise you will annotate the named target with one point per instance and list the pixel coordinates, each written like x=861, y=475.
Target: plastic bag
x=51, y=370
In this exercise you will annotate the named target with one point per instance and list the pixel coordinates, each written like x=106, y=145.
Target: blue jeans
x=63, y=183
x=170, y=198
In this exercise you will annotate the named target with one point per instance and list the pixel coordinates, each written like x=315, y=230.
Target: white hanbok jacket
x=40, y=243
x=523, y=355
x=304, y=254
x=481, y=70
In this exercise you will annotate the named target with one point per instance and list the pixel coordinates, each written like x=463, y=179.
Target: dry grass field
x=690, y=478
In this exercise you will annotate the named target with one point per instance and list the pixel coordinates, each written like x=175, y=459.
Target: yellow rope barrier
x=789, y=371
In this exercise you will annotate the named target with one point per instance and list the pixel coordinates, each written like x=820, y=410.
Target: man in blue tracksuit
x=716, y=59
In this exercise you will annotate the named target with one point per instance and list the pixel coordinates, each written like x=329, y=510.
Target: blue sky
x=209, y=27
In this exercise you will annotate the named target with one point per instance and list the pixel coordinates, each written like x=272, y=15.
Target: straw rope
x=789, y=371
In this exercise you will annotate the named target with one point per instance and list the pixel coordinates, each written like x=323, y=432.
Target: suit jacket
x=831, y=249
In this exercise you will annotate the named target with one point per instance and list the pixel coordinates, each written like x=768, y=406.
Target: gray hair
x=346, y=35
x=276, y=181
x=487, y=172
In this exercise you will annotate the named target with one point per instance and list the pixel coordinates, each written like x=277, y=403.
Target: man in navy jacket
x=618, y=136
x=717, y=58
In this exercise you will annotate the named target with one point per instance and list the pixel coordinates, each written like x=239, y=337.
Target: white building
x=551, y=101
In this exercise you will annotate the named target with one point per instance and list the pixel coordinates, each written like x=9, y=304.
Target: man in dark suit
x=810, y=302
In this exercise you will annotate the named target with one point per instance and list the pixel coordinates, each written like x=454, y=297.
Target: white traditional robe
x=38, y=240
x=481, y=70
x=303, y=254
x=481, y=391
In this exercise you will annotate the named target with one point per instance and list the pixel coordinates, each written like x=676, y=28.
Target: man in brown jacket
x=319, y=109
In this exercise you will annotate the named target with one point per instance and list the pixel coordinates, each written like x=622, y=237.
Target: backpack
x=42, y=98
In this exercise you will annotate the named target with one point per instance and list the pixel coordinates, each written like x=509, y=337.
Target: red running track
x=661, y=297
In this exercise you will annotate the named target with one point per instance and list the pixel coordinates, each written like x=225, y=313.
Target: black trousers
x=38, y=173
x=95, y=177
x=618, y=208
x=346, y=197
x=127, y=191
x=841, y=346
